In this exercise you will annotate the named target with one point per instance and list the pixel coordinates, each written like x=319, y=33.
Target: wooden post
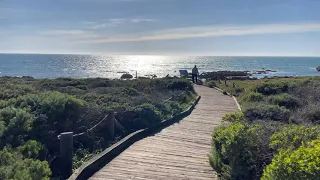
x=66, y=154
x=110, y=124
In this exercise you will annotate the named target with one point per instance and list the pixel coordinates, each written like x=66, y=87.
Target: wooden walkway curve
x=177, y=152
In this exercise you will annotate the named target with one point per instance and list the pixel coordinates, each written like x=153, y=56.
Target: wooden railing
x=66, y=139
x=66, y=142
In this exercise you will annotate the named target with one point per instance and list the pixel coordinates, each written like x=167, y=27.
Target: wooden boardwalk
x=177, y=152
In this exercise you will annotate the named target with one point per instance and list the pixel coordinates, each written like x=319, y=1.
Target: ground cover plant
x=275, y=136
x=33, y=112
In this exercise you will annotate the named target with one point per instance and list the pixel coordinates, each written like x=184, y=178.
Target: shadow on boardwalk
x=177, y=152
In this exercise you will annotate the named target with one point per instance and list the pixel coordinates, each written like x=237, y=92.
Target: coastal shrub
x=71, y=90
x=253, y=97
x=148, y=113
x=14, y=125
x=269, y=88
x=265, y=151
x=175, y=107
x=239, y=90
x=165, y=109
x=51, y=113
x=82, y=87
x=313, y=113
x=55, y=84
x=307, y=93
x=307, y=114
x=98, y=82
x=292, y=137
x=241, y=150
x=32, y=109
x=234, y=117
x=103, y=99
x=131, y=92
x=14, y=166
x=278, y=87
x=271, y=106
x=286, y=100
x=59, y=108
x=267, y=112
x=234, y=154
x=180, y=84
x=30, y=149
x=13, y=90
x=303, y=163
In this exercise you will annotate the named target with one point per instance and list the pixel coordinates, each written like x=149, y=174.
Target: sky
x=161, y=27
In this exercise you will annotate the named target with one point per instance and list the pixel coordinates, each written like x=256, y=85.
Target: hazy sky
x=191, y=27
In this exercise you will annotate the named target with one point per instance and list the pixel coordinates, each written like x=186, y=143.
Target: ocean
x=84, y=66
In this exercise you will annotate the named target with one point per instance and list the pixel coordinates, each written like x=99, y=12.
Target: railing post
x=66, y=154
x=111, y=124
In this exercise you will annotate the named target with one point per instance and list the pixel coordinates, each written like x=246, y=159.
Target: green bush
x=148, y=113
x=180, y=84
x=269, y=88
x=313, y=113
x=234, y=154
x=308, y=113
x=234, y=117
x=293, y=136
x=286, y=100
x=253, y=97
x=42, y=109
x=267, y=112
x=60, y=110
x=14, y=166
x=239, y=90
x=131, y=92
x=175, y=108
x=14, y=125
x=11, y=90
x=303, y=163
x=82, y=87
x=30, y=149
x=241, y=150
x=270, y=106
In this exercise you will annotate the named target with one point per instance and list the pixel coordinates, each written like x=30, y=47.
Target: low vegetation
x=277, y=134
x=33, y=112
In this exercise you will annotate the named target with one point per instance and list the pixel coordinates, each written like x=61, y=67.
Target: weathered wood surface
x=177, y=152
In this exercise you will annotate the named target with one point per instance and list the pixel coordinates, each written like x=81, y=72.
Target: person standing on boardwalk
x=195, y=74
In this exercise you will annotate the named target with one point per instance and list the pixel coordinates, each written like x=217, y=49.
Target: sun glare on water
x=143, y=64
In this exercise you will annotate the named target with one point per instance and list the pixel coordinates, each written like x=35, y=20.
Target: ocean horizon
x=113, y=66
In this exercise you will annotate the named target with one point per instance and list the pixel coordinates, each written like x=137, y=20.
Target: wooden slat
x=177, y=152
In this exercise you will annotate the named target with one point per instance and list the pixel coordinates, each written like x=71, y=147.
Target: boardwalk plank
x=179, y=152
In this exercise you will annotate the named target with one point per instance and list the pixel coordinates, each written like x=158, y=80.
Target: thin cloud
x=137, y=20
x=73, y=35
x=115, y=22
x=210, y=31
x=105, y=1
x=64, y=32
